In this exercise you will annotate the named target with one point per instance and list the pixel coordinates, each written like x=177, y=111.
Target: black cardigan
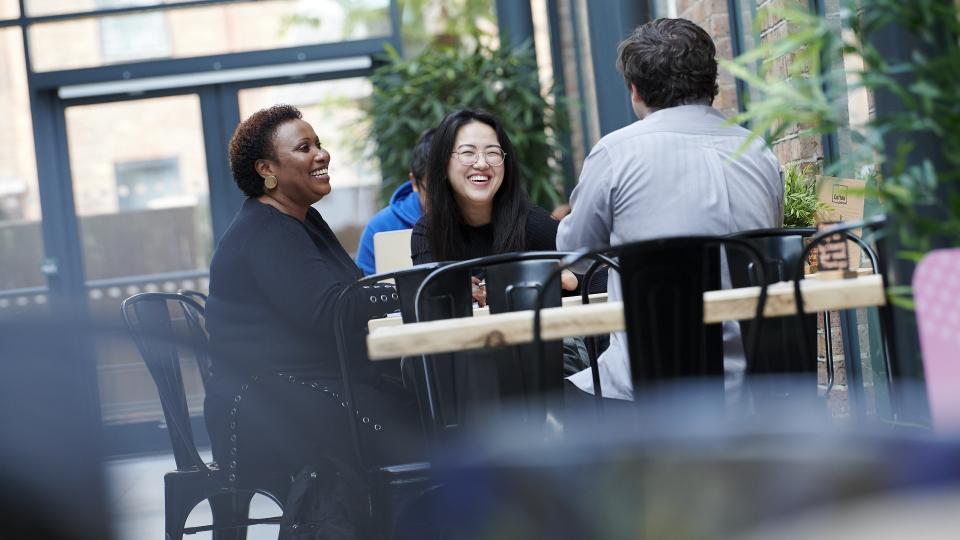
x=274, y=282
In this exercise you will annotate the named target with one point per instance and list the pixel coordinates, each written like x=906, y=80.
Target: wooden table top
x=394, y=339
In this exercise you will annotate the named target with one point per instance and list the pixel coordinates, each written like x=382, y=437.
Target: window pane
x=458, y=23
x=180, y=33
x=9, y=9
x=37, y=8
x=140, y=187
x=859, y=101
x=665, y=8
x=335, y=109
x=21, y=239
x=749, y=35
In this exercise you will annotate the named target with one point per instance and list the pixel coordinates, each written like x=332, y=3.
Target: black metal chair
x=600, y=262
x=198, y=296
x=875, y=223
x=779, y=351
x=160, y=338
x=402, y=495
x=197, y=330
x=475, y=384
x=663, y=281
x=595, y=344
x=397, y=491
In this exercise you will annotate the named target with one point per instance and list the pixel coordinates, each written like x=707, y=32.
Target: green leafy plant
x=413, y=95
x=919, y=193
x=800, y=203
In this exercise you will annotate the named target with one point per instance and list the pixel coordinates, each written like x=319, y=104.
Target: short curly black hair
x=671, y=62
x=253, y=140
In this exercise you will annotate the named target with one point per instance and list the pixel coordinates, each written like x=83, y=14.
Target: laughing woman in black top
x=476, y=204
x=275, y=399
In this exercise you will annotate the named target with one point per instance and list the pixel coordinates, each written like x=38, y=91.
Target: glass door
x=139, y=176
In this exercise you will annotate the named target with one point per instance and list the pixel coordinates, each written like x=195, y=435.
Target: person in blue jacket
x=405, y=208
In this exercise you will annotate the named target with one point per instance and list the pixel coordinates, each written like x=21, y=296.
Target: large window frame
x=219, y=76
x=217, y=79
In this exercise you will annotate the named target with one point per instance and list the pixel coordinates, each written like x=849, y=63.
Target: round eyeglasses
x=494, y=158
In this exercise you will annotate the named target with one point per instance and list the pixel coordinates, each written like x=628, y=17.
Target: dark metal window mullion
x=220, y=113
x=581, y=84
x=559, y=92
x=735, y=19
x=829, y=142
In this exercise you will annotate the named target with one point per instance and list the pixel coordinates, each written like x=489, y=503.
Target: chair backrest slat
x=197, y=331
x=663, y=284
x=779, y=351
x=149, y=322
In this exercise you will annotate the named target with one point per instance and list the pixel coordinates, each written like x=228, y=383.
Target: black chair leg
x=230, y=510
x=175, y=513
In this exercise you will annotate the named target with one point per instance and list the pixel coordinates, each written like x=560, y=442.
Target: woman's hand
x=479, y=291
x=568, y=280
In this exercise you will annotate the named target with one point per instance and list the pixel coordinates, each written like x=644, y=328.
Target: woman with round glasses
x=476, y=204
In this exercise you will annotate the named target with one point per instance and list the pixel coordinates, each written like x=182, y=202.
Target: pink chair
x=936, y=291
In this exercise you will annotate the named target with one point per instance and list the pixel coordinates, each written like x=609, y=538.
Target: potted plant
x=800, y=204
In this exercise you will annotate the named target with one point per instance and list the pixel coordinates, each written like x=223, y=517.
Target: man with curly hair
x=682, y=169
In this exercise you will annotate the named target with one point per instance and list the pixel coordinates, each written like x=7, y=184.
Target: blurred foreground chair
x=662, y=283
x=160, y=337
x=936, y=292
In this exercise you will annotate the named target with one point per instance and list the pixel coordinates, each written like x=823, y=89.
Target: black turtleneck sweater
x=274, y=282
x=541, y=235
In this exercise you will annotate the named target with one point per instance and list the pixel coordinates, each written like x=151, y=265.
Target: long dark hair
x=443, y=215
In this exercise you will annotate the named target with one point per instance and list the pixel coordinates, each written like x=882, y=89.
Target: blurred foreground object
x=51, y=479
x=677, y=468
x=936, y=291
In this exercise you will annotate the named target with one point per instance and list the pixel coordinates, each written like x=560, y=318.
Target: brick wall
x=713, y=17
x=789, y=148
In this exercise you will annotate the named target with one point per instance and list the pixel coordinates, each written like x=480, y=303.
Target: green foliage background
x=922, y=197
x=413, y=95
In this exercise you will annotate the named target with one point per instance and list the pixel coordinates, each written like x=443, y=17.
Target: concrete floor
x=135, y=487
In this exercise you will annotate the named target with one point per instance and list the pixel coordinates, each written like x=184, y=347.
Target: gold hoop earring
x=270, y=181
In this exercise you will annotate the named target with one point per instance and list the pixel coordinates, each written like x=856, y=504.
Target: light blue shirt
x=680, y=171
